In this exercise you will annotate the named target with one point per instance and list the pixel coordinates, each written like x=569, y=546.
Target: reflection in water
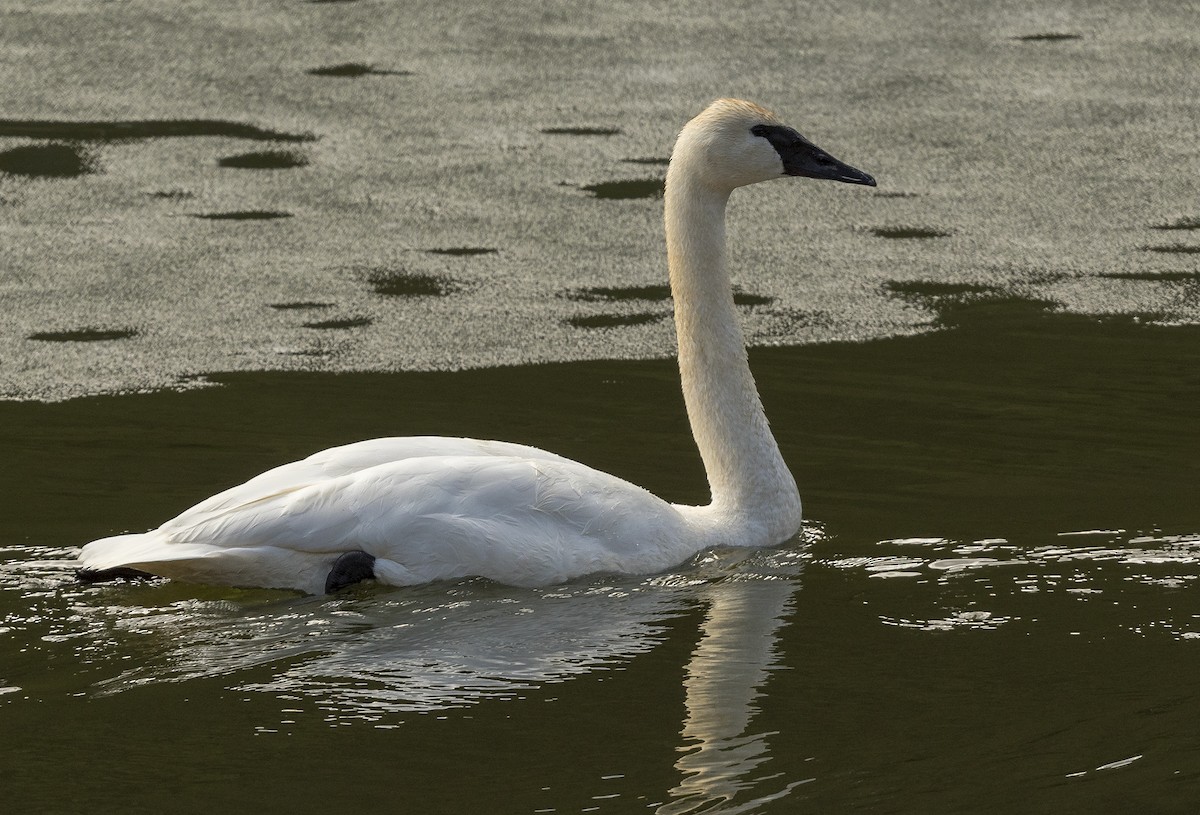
x=377, y=655
x=417, y=649
x=724, y=678
x=359, y=657
x=476, y=641
x=373, y=656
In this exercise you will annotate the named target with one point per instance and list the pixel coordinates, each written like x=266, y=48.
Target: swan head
x=732, y=143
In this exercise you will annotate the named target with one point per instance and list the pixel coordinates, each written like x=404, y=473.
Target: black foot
x=350, y=568
x=108, y=575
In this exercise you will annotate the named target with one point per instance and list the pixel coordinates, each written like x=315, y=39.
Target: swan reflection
x=725, y=675
x=376, y=656
x=384, y=654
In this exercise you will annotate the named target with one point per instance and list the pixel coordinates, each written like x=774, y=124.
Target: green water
x=939, y=638
x=992, y=606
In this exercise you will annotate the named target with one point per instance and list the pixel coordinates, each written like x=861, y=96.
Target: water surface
x=988, y=610
x=438, y=218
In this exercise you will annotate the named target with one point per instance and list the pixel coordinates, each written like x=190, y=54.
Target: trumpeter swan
x=410, y=510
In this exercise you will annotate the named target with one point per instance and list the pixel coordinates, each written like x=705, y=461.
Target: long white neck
x=753, y=494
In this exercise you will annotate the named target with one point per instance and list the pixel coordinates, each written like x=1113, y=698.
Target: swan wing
x=518, y=520
x=337, y=462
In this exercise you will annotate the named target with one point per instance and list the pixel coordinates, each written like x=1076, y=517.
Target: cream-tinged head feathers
x=733, y=142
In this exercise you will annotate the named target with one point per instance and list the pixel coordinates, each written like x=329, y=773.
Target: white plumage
x=428, y=508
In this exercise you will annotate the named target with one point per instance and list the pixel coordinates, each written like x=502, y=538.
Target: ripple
x=1110, y=581
x=961, y=563
x=975, y=620
x=368, y=656
x=914, y=541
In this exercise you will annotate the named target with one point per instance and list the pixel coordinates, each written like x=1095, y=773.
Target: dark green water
x=937, y=641
x=992, y=608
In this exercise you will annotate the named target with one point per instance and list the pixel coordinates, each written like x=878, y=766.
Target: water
x=984, y=376
x=989, y=611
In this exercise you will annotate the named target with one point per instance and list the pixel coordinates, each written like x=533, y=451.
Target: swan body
x=418, y=509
